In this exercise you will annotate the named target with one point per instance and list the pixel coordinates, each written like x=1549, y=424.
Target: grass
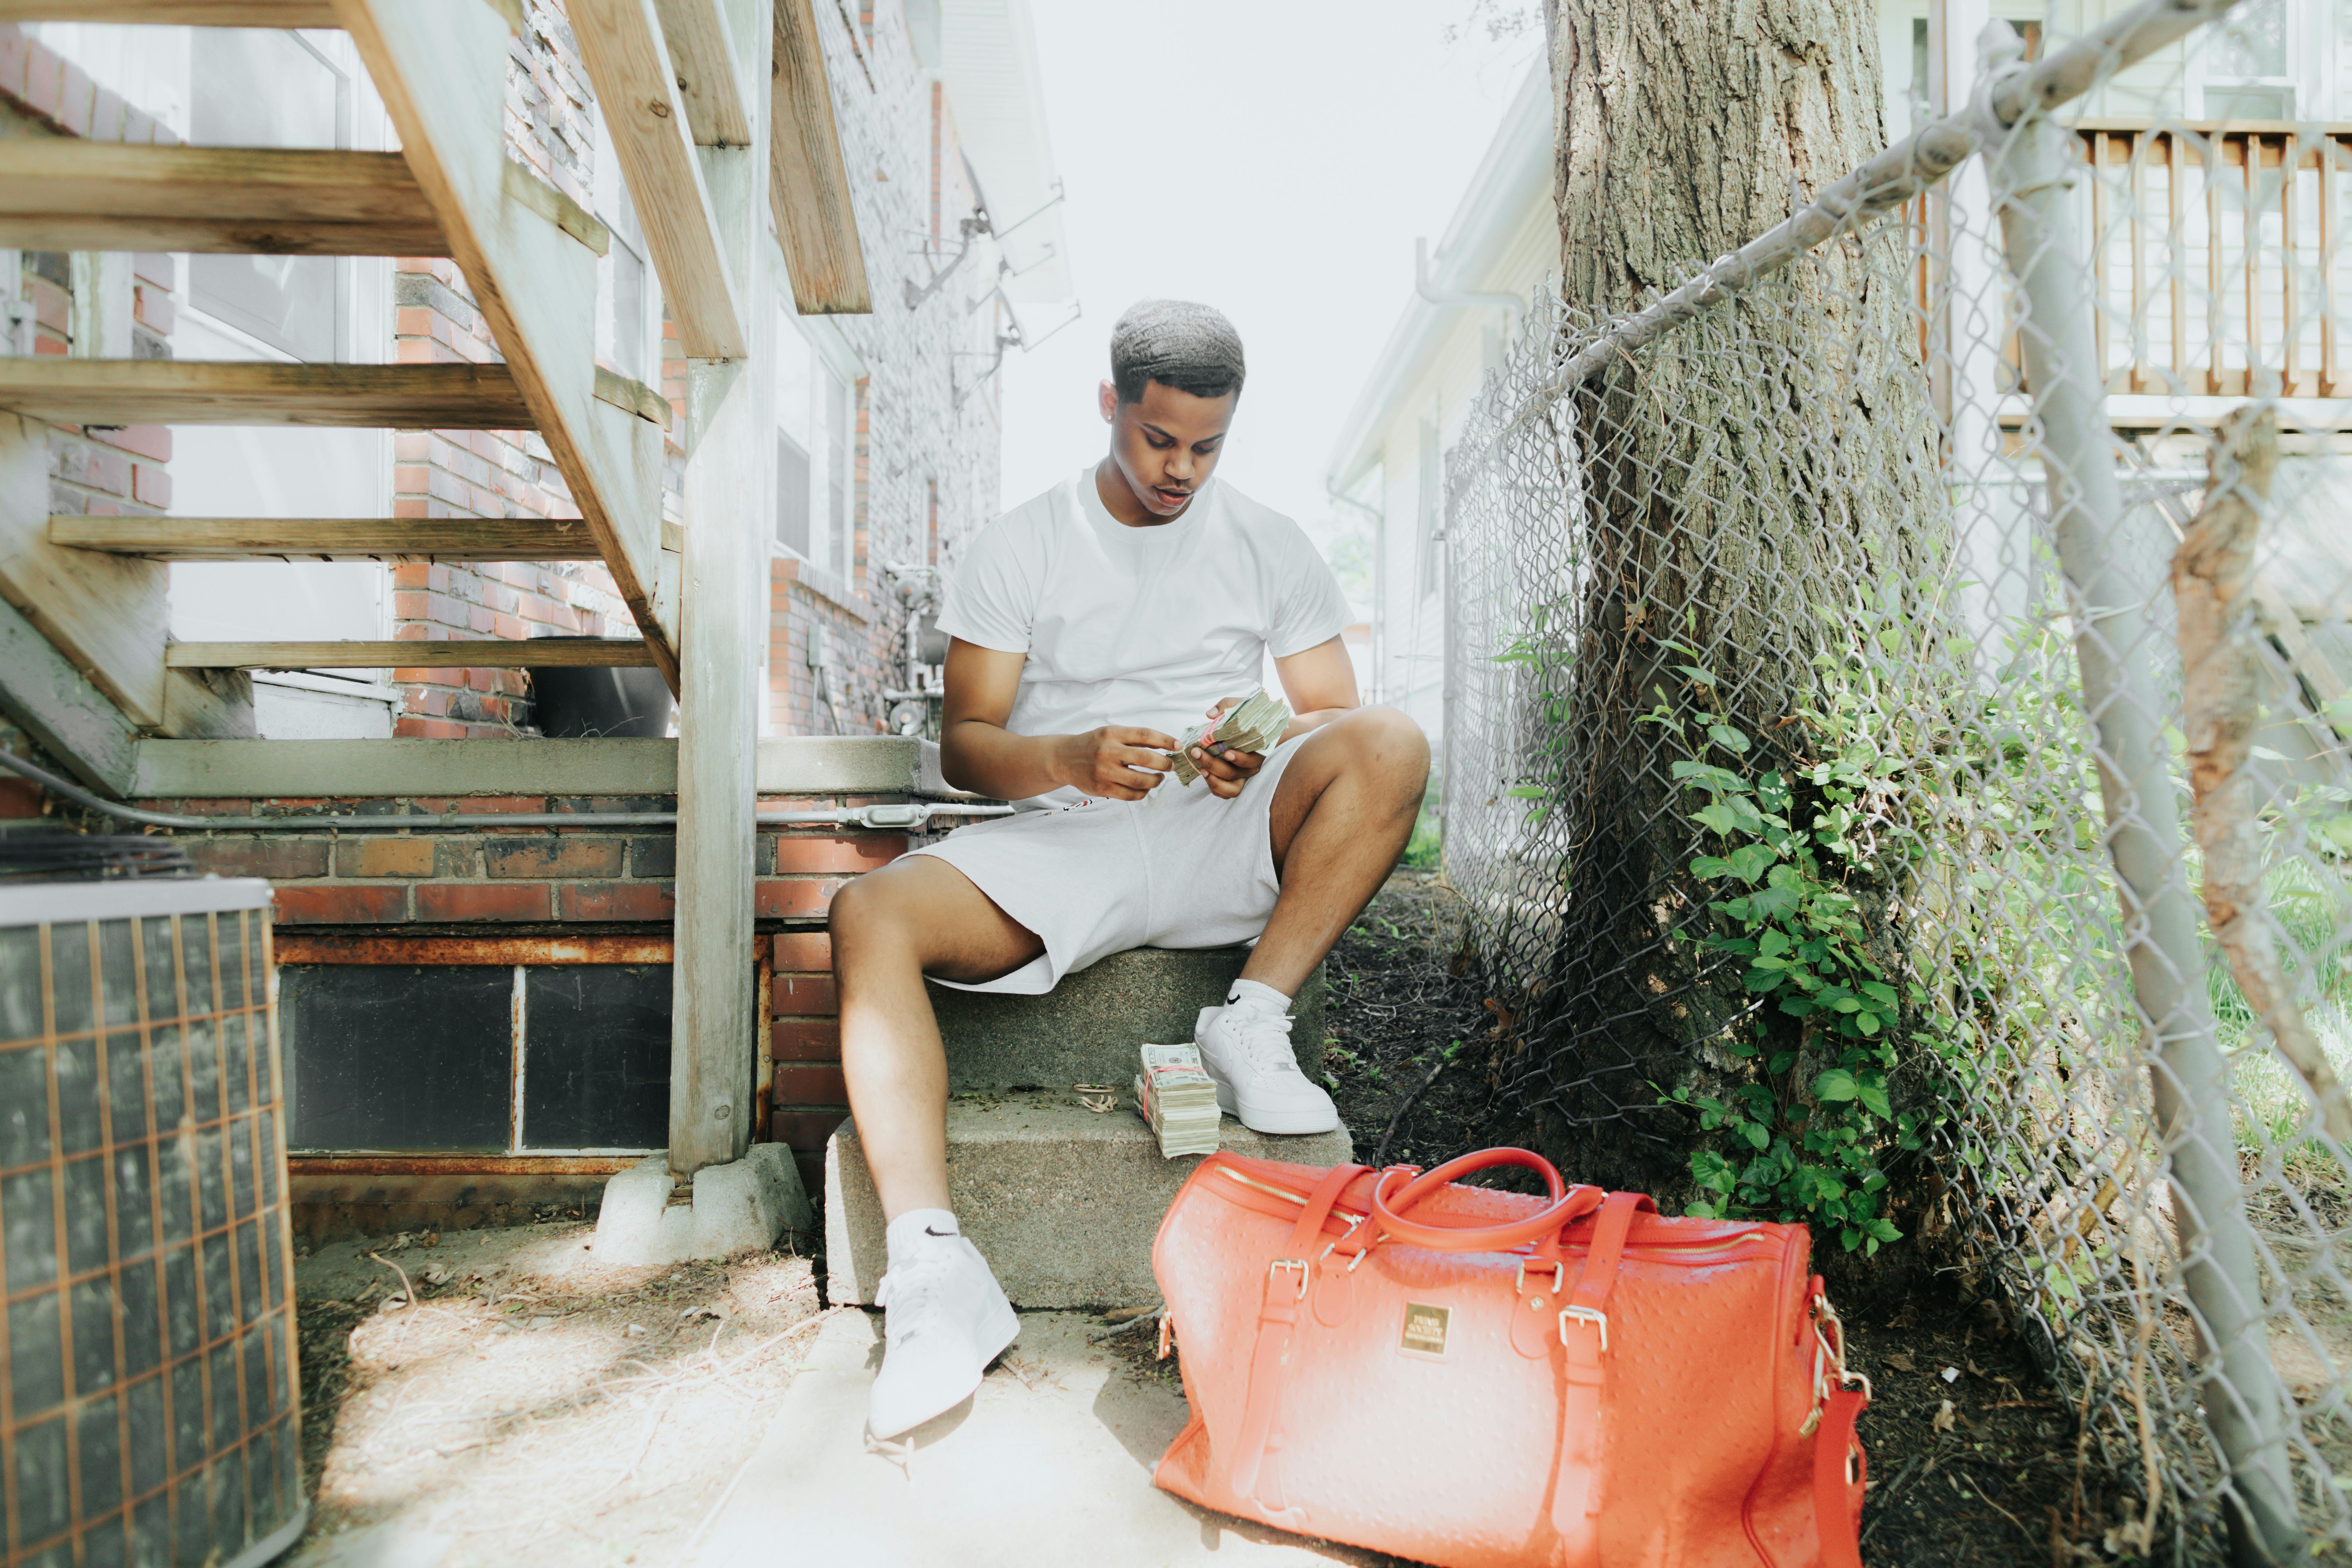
x=1421, y=852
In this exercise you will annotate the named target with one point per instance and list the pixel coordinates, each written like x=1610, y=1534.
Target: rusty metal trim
x=460, y=1164
x=332, y=947
x=763, y=1069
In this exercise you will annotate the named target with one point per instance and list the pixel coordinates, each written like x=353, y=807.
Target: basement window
x=476, y=1058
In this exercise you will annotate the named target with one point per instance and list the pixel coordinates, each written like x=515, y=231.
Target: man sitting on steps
x=1086, y=625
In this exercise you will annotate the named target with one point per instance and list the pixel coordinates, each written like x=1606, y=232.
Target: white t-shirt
x=1143, y=625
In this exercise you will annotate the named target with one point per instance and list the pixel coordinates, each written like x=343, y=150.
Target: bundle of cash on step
x=1179, y=1098
x=1253, y=726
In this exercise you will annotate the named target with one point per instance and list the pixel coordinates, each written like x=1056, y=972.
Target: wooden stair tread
x=328, y=539
x=615, y=653
x=200, y=391
x=204, y=13
x=60, y=193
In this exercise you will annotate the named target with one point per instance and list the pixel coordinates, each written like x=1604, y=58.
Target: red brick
x=808, y=951
x=804, y=1130
x=150, y=441
x=812, y=1084
x=270, y=856
x=151, y=485
x=619, y=901
x=804, y=1039
x=481, y=902
x=157, y=268
x=859, y=852
x=374, y=856
x=561, y=855
x=317, y=905
x=804, y=993
x=792, y=898
x=19, y=798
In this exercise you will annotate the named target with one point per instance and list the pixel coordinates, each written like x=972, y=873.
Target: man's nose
x=1179, y=465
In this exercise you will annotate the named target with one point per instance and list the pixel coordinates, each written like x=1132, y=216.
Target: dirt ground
x=530, y=1405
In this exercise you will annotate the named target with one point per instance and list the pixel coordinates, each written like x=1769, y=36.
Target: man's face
x=1165, y=443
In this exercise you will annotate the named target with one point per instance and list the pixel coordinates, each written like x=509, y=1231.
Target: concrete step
x=1087, y=1028
x=1063, y=1202
x=1047, y=1465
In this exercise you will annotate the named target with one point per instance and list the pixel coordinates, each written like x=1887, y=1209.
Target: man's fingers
x=1141, y=760
x=1126, y=735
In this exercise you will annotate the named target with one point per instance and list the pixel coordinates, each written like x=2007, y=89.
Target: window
x=2244, y=64
x=627, y=315
x=793, y=495
x=817, y=454
x=254, y=89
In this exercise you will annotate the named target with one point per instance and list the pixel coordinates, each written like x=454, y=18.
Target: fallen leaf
x=1901, y=1361
x=634, y=1330
x=1974, y=1370
x=1942, y=1420
x=1950, y=1374
x=434, y=1275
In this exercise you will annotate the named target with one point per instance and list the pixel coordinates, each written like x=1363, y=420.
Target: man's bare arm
x=977, y=752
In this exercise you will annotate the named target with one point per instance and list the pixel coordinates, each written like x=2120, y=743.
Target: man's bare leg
x=890, y=927
x=1342, y=813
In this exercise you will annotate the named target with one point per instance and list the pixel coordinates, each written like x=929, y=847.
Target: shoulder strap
x=1287, y=1278
x=1576, y=1493
x=1839, y=1470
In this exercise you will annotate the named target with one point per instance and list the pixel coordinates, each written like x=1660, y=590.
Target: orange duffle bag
x=1479, y=1379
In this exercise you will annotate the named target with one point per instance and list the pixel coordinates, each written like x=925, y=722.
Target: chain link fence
x=1896, y=754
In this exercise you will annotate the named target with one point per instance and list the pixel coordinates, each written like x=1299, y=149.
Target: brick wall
x=98, y=472
x=504, y=473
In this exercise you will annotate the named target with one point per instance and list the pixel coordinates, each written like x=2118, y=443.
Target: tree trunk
x=1738, y=477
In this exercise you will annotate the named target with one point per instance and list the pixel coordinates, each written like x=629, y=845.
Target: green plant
x=1805, y=1137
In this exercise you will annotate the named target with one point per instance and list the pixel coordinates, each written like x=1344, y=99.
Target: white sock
x=1252, y=996
x=909, y=1229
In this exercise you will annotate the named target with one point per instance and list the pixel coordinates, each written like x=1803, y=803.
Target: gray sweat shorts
x=1178, y=869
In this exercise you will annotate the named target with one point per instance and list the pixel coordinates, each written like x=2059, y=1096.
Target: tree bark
x=1739, y=477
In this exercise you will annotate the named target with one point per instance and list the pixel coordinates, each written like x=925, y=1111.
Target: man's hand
x=1225, y=769
x=1117, y=762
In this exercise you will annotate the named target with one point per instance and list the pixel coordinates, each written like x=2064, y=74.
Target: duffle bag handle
x=1567, y=1205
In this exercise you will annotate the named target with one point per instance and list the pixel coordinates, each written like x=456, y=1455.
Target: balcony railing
x=2220, y=247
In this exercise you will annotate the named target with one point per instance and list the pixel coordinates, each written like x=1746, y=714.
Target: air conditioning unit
x=153, y=1407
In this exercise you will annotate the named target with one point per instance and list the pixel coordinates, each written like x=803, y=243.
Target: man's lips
x=1170, y=498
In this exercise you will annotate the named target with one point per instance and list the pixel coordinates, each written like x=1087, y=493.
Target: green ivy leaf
x=1874, y=1100
x=1748, y=862
x=1837, y=1084
x=1527, y=792
x=1756, y=1134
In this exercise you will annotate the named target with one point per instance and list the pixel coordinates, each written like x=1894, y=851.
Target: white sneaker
x=1248, y=1053
x=945, y=1319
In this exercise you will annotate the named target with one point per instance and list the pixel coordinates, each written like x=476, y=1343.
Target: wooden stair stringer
x=108, y=616
x=440, y=67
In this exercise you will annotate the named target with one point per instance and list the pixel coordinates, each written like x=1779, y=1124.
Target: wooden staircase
x=721, y=117
x=665, y=76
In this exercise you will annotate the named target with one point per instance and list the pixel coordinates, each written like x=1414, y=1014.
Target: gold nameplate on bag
x=1424, y=1330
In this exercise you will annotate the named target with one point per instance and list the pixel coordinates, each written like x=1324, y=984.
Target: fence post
x=2243, y=1403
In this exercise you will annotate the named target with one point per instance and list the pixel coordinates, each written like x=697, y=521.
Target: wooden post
x=730, y=501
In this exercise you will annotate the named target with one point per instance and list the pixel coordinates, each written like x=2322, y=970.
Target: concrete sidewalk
x=1049, y=1465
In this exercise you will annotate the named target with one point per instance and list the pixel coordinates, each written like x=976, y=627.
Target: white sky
x=1274, y=158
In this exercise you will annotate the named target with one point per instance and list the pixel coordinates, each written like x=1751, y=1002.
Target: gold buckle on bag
x=1279, y=1264
x=1592, y=1315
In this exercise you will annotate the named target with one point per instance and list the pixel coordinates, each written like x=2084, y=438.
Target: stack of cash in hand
x=1253, y=726
x=1179, y=1098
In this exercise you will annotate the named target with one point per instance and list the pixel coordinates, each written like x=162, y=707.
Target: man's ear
x=1109, y=400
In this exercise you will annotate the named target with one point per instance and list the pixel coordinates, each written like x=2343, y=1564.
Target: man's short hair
x=1176, y=344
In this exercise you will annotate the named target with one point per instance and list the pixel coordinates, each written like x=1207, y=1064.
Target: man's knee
x=1386, y=742
x=863, y=911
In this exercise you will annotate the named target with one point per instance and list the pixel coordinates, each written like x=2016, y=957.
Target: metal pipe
x=1889, y=179
x=1425, y=283
x=2109, y=579
x=914, y=814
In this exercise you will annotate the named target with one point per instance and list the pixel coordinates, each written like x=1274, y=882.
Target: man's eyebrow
x=1169, y=434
